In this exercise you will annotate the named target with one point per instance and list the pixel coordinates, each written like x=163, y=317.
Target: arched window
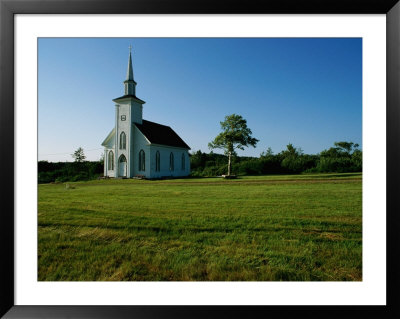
x=122, y=141
x=142, y=161
x=171, y=161
x=183, y=162
x=157, y=161
x=110, y=160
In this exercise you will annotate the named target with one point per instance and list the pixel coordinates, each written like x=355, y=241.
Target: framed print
x=242, y=272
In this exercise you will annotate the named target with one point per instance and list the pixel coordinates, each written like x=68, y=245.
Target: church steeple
x=130, y=84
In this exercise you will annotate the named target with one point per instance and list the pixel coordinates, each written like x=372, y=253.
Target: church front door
x=122, y=166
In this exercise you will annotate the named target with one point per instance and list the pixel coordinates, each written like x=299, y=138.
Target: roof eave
x=119, y=99
x=184, y=148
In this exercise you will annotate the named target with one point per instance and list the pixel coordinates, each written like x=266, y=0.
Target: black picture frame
x=8, y=8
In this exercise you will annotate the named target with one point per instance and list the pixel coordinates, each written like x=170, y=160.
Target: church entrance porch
x=122, y=166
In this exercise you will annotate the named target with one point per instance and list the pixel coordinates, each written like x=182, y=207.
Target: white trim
x=169, y=146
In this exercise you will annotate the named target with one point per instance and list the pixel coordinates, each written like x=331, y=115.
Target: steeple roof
x=129, y=83
x=129, y=96
x=129, y=71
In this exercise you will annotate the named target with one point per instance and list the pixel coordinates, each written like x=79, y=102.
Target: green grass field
x=294, y=227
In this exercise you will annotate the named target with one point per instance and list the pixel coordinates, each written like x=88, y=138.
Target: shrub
x=62, y=172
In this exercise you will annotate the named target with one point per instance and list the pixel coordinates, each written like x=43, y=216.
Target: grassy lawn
x=293, y=227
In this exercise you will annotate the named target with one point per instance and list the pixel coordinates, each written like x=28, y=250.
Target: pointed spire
x=129, y=72
x=129, y=83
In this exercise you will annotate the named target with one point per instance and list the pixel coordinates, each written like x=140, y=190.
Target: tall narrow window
x=183, y=162
x=142, y=161
x=122, y=141
x=171, y=161
x=157, y=161
x=110, y=160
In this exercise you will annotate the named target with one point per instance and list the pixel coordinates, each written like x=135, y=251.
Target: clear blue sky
x=303, y=91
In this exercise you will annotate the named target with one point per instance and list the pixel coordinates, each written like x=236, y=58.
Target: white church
x=139, y=148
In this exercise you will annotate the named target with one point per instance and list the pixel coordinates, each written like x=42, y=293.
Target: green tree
x=356, y=158
x=197, y=160
x=268, y=153
x=235, y=135
x=344, y=157
x=292, y=158
x=346, y=147
x=79, y=155
x=292, y=151
x=341, y=149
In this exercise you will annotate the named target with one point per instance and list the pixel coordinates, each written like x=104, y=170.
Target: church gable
x=109, y=140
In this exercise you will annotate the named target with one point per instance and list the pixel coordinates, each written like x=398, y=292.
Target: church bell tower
x=128, y=110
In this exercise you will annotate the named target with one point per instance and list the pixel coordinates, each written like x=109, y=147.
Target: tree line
x=342, y=157
x=79, y=170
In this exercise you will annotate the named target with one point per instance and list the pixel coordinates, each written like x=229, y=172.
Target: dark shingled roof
x=161, y=134
x=128, y=96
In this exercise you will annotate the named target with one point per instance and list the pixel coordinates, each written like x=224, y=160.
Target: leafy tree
x=197, y=159
x=356, y=158
x=268, y=153
x=79, y=155
x=291, y=151
x=292, y=158
x=341, y=149
x=235, y=135
x=344, y=157
x=332, y=152
x=346, y=147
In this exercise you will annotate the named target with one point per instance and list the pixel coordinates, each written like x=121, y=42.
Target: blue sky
x=304, y=91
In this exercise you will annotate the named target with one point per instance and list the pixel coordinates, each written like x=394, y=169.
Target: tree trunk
x=229, y=163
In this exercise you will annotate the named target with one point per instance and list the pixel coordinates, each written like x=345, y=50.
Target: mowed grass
x=304, y=227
